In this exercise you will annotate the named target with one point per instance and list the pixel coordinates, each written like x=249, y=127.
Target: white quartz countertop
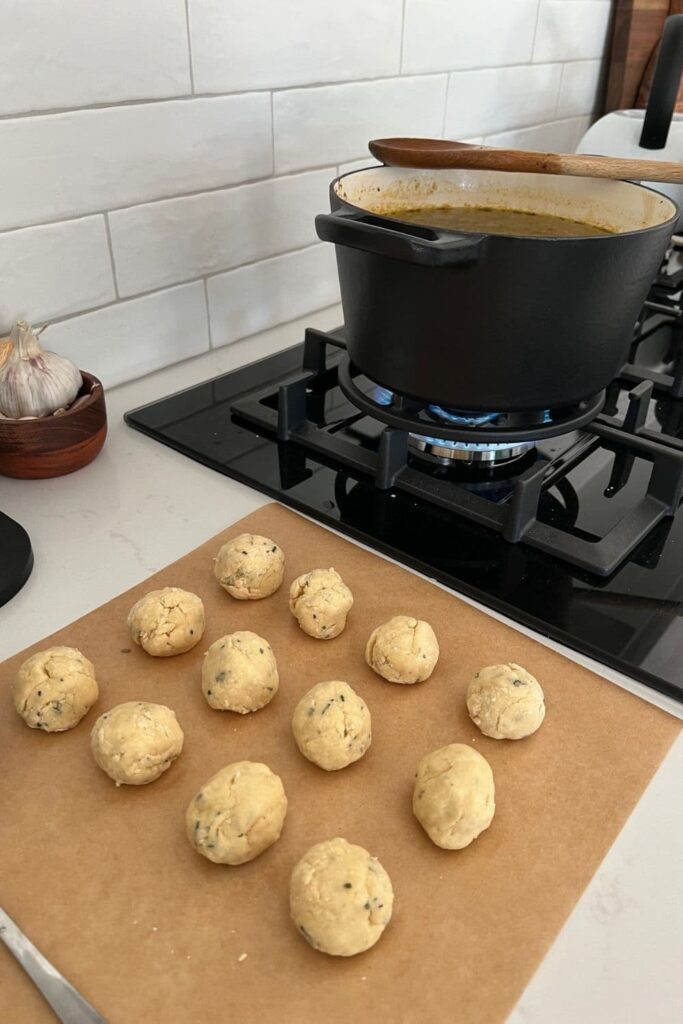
x=139, y=506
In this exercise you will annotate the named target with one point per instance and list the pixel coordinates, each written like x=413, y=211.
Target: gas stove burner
x=465, y=435
x=446, y=451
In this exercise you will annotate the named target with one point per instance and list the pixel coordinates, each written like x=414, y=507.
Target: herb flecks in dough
x=506, y=702
x=240, y=813
x=332, y=725
x=135, y=742
x=250, y=567
x=403, y=650
x=243, y=667
x=55, y=688
x=320, y=601
x=341, y=898
x=167, y=622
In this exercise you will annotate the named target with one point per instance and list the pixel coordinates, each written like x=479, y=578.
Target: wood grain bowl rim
x=94, y=393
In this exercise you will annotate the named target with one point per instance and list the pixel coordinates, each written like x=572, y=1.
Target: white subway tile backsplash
x=178, y=239
x=53, y=270
x=264, y=45
x=443, y=35
x=580, y=88
x=128, y=340
x=332, y=124
x=554, y=137
x=480, y=102
x=62, y=165
x=75, y=54
x=254, y=298
x=571, y=30
x=154, y=130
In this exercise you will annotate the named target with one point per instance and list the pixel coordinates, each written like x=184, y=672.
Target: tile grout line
x=189, y=44
x=273, y=327
x=24, y=115
x=559, y=93
x=533, y=41
x=67, y=218
x=445, y=107
x=403, y=36
x=206, y=277
x=227, y=344
x=272, y=132
x=208, y=313
x=110, y=246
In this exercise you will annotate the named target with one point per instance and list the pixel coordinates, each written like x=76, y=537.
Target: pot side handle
x=412, y=243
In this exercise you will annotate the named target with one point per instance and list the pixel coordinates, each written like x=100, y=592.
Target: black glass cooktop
x=580, y=538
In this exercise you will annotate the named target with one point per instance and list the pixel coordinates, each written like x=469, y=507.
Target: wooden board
x=636, y=29
x=105, y=883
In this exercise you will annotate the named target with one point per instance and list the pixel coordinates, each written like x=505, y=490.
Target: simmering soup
x=488, y=220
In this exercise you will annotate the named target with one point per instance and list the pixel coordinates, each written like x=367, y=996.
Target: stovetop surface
x=630, y=619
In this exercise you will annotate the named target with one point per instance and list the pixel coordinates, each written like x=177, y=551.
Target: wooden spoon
x=440, y=153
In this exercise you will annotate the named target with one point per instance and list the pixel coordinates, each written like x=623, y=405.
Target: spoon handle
x=438, y=153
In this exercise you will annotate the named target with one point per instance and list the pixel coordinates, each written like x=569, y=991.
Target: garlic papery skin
x=34, y=382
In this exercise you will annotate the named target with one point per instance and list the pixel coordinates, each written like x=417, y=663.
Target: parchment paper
x=105, y=883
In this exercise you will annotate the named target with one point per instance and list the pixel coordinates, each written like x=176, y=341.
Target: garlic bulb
x=34, y=382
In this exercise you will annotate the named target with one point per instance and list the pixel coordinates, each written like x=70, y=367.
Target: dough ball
x=239, y=673
x=250, y=567
x=331, y=725
x=403, y=650
x=454, y=795
x=136, y=742
x=166, y=622
x=340, y=898
x=55, y=688
x=237, y=814
x=320, y=601
x=506, y=702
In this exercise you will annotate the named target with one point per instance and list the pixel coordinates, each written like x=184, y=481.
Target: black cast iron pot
x=489, y=322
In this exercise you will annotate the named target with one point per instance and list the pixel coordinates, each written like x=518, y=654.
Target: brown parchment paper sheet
x=105, y=883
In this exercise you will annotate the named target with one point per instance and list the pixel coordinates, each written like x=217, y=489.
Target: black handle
x=411, y=243
x=665, y=85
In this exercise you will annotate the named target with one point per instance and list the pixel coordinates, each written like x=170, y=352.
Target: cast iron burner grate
x=443, y=435
x=293, y=418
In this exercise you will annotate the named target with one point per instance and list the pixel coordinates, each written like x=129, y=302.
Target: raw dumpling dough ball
x=237, y=814
x=250, y=567
x=454, y=795
x=55, y=688
x=340, y=898
x=166, y=622
x=331, y=725
x=320, y=602
x=506, y=702
x=136, y=742
x=239, y=673
x=403, y=650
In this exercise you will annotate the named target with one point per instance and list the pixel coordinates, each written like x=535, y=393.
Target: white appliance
x=655, y=133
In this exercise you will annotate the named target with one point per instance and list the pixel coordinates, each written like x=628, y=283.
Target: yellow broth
x=494, y=221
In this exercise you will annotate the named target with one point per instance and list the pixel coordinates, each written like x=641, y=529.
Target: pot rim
x=670, y=222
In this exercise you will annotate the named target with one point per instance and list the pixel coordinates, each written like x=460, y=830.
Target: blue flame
x=381, y=396
x=463, y=419
x=384, y=397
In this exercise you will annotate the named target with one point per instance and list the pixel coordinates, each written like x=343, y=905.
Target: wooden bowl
x=56, y=445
